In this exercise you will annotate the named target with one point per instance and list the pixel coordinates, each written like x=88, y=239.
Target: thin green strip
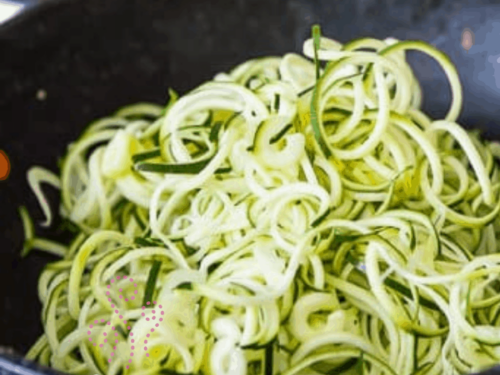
x=151, y=283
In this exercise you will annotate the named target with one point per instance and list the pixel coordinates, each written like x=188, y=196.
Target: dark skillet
x=91, y=57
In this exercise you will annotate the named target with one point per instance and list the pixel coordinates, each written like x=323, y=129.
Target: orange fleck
x=467, y=39
x=4, y=165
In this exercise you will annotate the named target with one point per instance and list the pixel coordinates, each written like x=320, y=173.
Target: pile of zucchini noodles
x=294, y=216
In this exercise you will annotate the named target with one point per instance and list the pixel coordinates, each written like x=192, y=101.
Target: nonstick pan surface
x=65, y=63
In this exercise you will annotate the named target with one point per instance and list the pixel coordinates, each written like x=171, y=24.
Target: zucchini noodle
x=296, y=215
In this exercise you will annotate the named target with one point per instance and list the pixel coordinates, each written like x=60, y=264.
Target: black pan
x=64, y=63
